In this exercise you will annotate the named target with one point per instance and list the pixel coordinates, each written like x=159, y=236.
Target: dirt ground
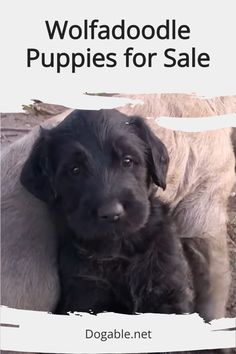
x=15, y=125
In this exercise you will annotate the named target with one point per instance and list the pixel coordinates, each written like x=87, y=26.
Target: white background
x=213, y=29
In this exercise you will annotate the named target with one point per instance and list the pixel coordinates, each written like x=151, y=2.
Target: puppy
x=117, y=247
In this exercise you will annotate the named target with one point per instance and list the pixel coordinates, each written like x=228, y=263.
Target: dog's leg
x=167, y=288
x=208, y=260
x=202, y=221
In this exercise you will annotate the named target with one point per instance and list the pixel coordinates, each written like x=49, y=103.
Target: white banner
x=112, y=333
x=185, y=29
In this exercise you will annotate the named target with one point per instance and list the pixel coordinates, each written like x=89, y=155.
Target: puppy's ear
x=36, y=175
x=158, y=158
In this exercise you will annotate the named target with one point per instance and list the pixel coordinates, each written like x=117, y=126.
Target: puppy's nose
x=110, y=212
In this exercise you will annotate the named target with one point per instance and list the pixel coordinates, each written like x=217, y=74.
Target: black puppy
x=117, y=247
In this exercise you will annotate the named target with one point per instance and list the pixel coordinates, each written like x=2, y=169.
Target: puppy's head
x=97, y=168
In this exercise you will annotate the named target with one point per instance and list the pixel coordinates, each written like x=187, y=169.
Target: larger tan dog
x=200, y=178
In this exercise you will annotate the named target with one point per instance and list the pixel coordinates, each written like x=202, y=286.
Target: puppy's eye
x=127, y=161
x=75, y=170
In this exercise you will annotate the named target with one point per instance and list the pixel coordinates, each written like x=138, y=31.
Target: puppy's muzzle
x=110, y=212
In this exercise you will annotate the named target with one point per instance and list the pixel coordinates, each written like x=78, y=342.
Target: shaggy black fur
x=117, y=247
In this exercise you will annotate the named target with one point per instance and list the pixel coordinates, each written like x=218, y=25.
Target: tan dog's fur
x=28, y=245
x=200, y=178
